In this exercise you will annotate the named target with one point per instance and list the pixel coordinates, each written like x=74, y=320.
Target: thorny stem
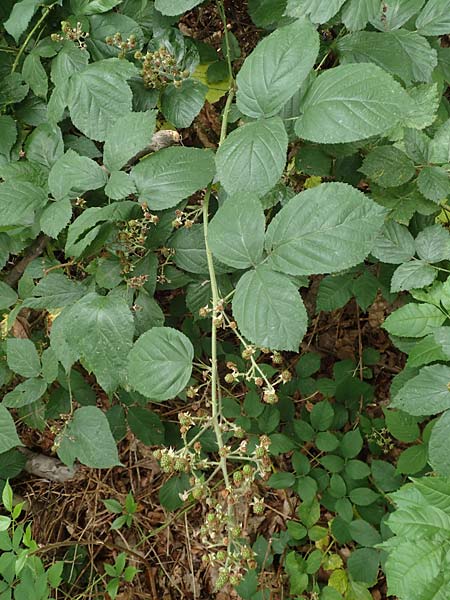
x=44, y=15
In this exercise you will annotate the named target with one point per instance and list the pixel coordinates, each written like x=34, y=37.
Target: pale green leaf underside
x=414, y=320
x=269, y=310
x=160, y=363
x=323, y=230
x=426, y=393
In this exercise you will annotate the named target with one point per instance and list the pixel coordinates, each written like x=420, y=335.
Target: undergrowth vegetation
x=190, y=217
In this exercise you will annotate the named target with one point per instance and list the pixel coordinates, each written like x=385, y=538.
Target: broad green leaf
x=319, y=11
x=146, y=425
x=434, y=18
x=69, y=60
x=266, y=12
x=169, y=493
x=25, y=393
x=8, y=134
x=440, y=145
x=98, y=96
x=55, y=217
x=425, y=99
x=55, y=290
x=19, y=202
x=414, y=320
x=434, y=183
x=395, y=244
x=438, y=445
x=126, y=137
x=22, y=357
x=402, y=53
x=120, y=185
x=435, y=492
x=412, y=460
x=275, y=70
x=8, y=296
x=20, y=16
x=427, y=393
x=172, y=174
x=424, y=521
x=236, y=233
x=175, y=7
x=417, y=145
x=363, y=565
x=395, y=13
x=387, y=166
x=88, y=437
x=351, y=103
x=72, y=175
x=102, y=334
x=180, y=105
x=103, y=26
x=334, y=292
x=413, y=274
x=190, y=251
x=252, y=158
x=160, y=363
x=426, y=351
x=433, y=244
x=35, y=75
x=323, y=230
x=13, y=89
x=269, y=310
x=442, y=337
x=356, y=13
x=8, y=435
x=401, y=425
x=45, y=145
x=92, y=7
x=403, y=202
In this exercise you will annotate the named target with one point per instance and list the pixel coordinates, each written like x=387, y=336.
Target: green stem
x=223, y=16
x=44, y=15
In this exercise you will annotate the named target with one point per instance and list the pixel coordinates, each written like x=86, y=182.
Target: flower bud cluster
x=73, y=34
x=124, y=46
x=160, y=68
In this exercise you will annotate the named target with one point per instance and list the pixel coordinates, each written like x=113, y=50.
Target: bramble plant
x=139, y=270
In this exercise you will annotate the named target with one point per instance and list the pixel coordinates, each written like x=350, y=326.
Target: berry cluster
x=124, y=46
x=73, y=34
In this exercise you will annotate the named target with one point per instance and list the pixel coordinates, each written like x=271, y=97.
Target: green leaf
x=252, y=158
x=55, y=291
x=180, y=105
x=175, y=7
x=35, y=75
x=364, y=533
x=98, y=96
x=88, y=437
x=319, y=11
x=387, y=166
x=395, y=244
x=433, y=244
x=351, y=444
x=102, y=334
x=438, y=445
x=190, y=251
x=323, y=230
x=69, y=60
x=276, y=69
x=22, y=357
x=236, y=233
x=322, y=415
x=8, y=134
x=45, y=145
x=13, y=89
x=440, y=145
x=334, y=292
x=414, y=320
x=442, y=338
x=434, y=18
x=265, y=12
x=337, y=108
x=401, y=425
x=160, y=363
x=8, y=435
x=363, y=565
x=20, y=16
x=402, y=53
x=146, y=426
x=269, y=310
x=434, y=183
x=427, y=393
x=19, y=202
x=403, y=202
x=356, y=13
x=396, y=13
x=55, y=217
x=72, y=175
x=426, y=351
x=412, y=460
x=363, y=496
x=413, y=274
x=120, y=185
x=25, y=393
x=169, y=494
x=8, y=296
x=126, y=137
x=172, y=174
x=92, y=7
x=281, y=481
